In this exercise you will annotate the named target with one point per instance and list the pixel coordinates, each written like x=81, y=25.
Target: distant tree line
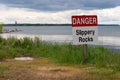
x=28, y=24
x=37, y=24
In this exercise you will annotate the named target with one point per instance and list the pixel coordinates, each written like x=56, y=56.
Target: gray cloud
x=10, y=15
x=58, y=5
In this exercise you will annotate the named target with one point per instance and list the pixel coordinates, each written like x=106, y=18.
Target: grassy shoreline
x=66, y=54
x=55, y=61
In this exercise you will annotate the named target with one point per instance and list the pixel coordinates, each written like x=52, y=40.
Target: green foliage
x=102, y=57
x=1, y=27
x=60, y=53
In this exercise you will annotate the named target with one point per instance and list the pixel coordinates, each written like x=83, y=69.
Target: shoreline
x=9, y=31
x=112, y=43
x=65, y=24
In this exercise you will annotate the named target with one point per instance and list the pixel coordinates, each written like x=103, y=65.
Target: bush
x=1, y=27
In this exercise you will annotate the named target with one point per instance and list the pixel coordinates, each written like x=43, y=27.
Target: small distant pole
x=15, y=22
x=85, y=52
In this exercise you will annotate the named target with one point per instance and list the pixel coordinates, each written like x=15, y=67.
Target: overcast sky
x=58, y=11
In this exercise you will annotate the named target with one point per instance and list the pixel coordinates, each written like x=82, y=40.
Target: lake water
x=107, y=35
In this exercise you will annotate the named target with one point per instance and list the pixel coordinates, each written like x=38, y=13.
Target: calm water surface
x=107, y=35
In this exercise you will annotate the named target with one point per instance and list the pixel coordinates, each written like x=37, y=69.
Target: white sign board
x=85, y=30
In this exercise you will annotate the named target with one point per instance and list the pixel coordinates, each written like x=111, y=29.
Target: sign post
x=85, y=52
x=85, y=31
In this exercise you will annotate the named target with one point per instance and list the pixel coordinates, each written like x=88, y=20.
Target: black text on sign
x=85, y=30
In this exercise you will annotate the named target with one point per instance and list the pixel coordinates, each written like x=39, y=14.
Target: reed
x=1, y=27
x=60, y=53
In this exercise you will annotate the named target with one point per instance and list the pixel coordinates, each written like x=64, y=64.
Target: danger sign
x=85, y=29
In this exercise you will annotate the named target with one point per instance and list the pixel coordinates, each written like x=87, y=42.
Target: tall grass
x=60, y=53
x=1, y=27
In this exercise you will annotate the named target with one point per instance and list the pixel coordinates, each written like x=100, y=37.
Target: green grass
x=60, y=53
x=1, y=27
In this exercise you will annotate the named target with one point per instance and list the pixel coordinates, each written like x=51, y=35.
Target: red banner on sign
x=85, y=20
